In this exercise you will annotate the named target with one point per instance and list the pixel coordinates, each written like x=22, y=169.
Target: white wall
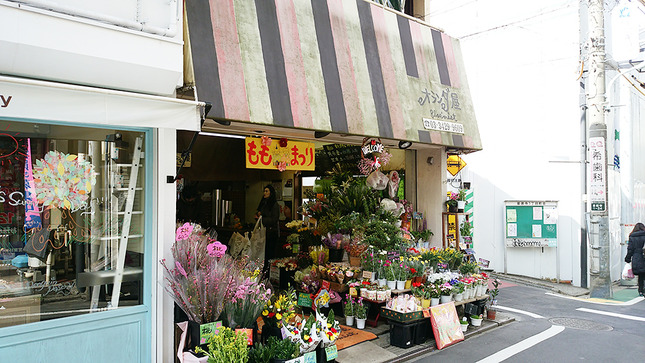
x=522, y=64
x=50, y=45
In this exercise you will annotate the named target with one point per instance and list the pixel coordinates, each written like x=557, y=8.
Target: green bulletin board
x=531, y=223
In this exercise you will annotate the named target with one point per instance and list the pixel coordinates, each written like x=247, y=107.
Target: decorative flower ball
x=63, y=181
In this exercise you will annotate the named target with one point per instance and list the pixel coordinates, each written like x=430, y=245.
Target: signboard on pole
x=598, y=165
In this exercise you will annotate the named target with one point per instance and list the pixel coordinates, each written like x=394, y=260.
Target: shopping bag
x=628, y=274
x=239, y=245
x=258, y=240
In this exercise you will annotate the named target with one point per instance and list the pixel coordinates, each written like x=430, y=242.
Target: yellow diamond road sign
x=455, y=164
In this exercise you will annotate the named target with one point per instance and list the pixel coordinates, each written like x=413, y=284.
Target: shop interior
x=62, y=222
x=224, y=194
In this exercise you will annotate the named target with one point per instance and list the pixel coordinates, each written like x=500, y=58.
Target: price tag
x=205, y=330
x=331, y=352
x=309, y=357
x=426, y=313
x=367, y=275
x=352, y=291
x=304, y=300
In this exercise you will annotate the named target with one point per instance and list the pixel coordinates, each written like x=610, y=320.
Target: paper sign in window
x=537, y=231
x=537, y=213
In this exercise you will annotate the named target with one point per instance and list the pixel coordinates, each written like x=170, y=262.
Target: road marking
x=520, y=312
x=599, y=301
x=630, y=317
x=523, y=345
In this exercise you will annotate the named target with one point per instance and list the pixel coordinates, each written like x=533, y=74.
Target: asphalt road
x=550, y=328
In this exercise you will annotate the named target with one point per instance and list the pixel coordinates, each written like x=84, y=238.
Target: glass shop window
x=71, y=220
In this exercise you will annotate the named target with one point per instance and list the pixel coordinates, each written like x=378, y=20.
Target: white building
x=90, y=86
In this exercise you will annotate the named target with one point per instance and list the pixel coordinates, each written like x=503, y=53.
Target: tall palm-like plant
x=394, y=4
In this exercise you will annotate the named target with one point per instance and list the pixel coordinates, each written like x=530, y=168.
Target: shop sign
x=438, y=125
x=281, y=154
x=4, y=100
x=454, y=164
x=598, y=172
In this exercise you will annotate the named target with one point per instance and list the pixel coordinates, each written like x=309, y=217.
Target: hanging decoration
x=32, y=214
x=63, y=181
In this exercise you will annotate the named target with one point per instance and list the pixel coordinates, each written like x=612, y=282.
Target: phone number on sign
x=438, y=125
x=525, y=243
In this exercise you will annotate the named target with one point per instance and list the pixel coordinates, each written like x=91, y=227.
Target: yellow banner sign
x=281, y=154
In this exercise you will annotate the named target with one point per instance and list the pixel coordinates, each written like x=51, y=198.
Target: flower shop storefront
x=366, y=102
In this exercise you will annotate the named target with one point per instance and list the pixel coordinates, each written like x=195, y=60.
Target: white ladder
x=98, y=278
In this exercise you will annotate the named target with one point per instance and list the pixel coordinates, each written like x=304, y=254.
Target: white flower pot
x=459, y=297
x=382, y=282
x=391, y=285
x=371, y=294
x=446, y=299
x=434, y=301
x=476, y=322
x=461, y=204
x=464, y=327
x=400, y=285
x=349, y=320
x=360, y=323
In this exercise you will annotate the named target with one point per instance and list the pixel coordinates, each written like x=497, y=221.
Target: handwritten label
x=352, y=291
x=205, y=330
x=304, y=300
x=367, y=275
x=331, y=352
x=309, y=357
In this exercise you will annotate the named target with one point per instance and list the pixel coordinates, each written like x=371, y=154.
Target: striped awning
x=345, y=66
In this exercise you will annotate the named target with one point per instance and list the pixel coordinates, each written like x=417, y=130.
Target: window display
x=71, y=220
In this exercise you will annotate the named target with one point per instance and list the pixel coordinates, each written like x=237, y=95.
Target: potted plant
x=360, y=311
x=348, y=309
x=260, y=353
x=435, y=294
x=464, y=324
x=451, y=203
x=476, y=320
x=283, y=349
x=458, y=290
x=446, y=292
x=491, y=303
x=461, y=200
x=466, y=231
x=226, y=346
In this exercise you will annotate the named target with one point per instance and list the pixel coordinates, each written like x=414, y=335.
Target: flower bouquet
x=200, y=279
x=246, y=304
x=280, y=309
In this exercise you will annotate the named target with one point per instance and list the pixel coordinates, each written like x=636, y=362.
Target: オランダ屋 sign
x=281, y=154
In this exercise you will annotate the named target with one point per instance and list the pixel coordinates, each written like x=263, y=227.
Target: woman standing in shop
x=635, y=254
x=269, y=210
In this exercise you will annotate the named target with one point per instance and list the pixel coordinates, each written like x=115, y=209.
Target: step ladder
x=114, y=244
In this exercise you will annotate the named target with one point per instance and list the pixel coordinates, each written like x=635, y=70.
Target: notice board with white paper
x=531, y=223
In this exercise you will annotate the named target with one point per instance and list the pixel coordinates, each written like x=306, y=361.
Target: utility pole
x=596, y=103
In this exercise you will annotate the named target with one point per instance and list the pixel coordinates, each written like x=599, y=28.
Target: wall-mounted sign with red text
x=281, y=154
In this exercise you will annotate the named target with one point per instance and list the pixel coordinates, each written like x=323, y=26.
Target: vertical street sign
x=597, y=174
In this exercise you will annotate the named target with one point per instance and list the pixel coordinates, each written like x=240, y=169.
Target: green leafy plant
x=466, y=229
x=283, y=348
x=492, y=294
x=349, y=306
x=468, y=268
x=461, y=194
x=260, y=353
x=226, y=346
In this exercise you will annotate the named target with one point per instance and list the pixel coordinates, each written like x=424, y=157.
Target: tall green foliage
x=394, y=4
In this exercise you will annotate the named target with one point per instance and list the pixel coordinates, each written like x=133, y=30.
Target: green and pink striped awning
x=345, y=66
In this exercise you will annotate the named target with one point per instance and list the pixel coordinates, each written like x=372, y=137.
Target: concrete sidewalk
x=621, y=292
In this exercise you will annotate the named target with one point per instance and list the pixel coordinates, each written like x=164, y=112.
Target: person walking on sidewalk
x=635, y=254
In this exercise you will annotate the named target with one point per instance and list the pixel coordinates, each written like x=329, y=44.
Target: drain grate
x=580, y=324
